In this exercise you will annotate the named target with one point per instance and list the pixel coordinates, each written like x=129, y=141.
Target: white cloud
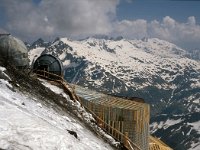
x=186, y=35
x=192, y=20
x=60, y=17
x=130, y=29
x=81, y=18
x=25, y=19
x=169, y=22
x=129, y=1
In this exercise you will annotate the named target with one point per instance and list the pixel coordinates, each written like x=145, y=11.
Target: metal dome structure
x=48, y=63
x=13, y=51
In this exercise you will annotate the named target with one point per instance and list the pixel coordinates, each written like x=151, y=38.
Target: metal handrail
x=48, y=73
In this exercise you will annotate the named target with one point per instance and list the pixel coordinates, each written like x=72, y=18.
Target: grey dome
x=49, y=63
x=14, y=51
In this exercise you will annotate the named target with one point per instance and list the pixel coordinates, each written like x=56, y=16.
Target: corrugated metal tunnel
x=48, y=63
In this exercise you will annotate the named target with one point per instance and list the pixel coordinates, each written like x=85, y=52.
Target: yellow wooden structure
x=156, y=144
x=128, y=117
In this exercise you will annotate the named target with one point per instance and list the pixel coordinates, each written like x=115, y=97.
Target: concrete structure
x=13, y=51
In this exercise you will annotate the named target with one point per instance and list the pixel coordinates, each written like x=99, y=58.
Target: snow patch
x=195, y=126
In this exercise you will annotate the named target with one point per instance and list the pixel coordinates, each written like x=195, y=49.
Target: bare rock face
x=13, y=51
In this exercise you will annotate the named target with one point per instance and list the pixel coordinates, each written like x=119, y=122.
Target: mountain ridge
x=153, y=69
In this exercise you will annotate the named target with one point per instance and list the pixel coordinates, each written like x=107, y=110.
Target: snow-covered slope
x=153, y=69
x=27, y=122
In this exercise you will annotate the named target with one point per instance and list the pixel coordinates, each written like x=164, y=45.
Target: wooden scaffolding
x=156, y=144
x=126, y=120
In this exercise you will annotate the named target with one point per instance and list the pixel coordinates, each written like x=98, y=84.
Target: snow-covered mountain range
x=157, y=71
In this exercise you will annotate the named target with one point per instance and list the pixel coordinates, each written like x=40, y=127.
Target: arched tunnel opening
x=48, y=65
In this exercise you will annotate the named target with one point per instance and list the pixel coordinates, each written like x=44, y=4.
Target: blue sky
x=180, y=10
x=177, y=21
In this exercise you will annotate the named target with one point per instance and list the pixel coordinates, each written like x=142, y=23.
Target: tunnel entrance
x=49, y=66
